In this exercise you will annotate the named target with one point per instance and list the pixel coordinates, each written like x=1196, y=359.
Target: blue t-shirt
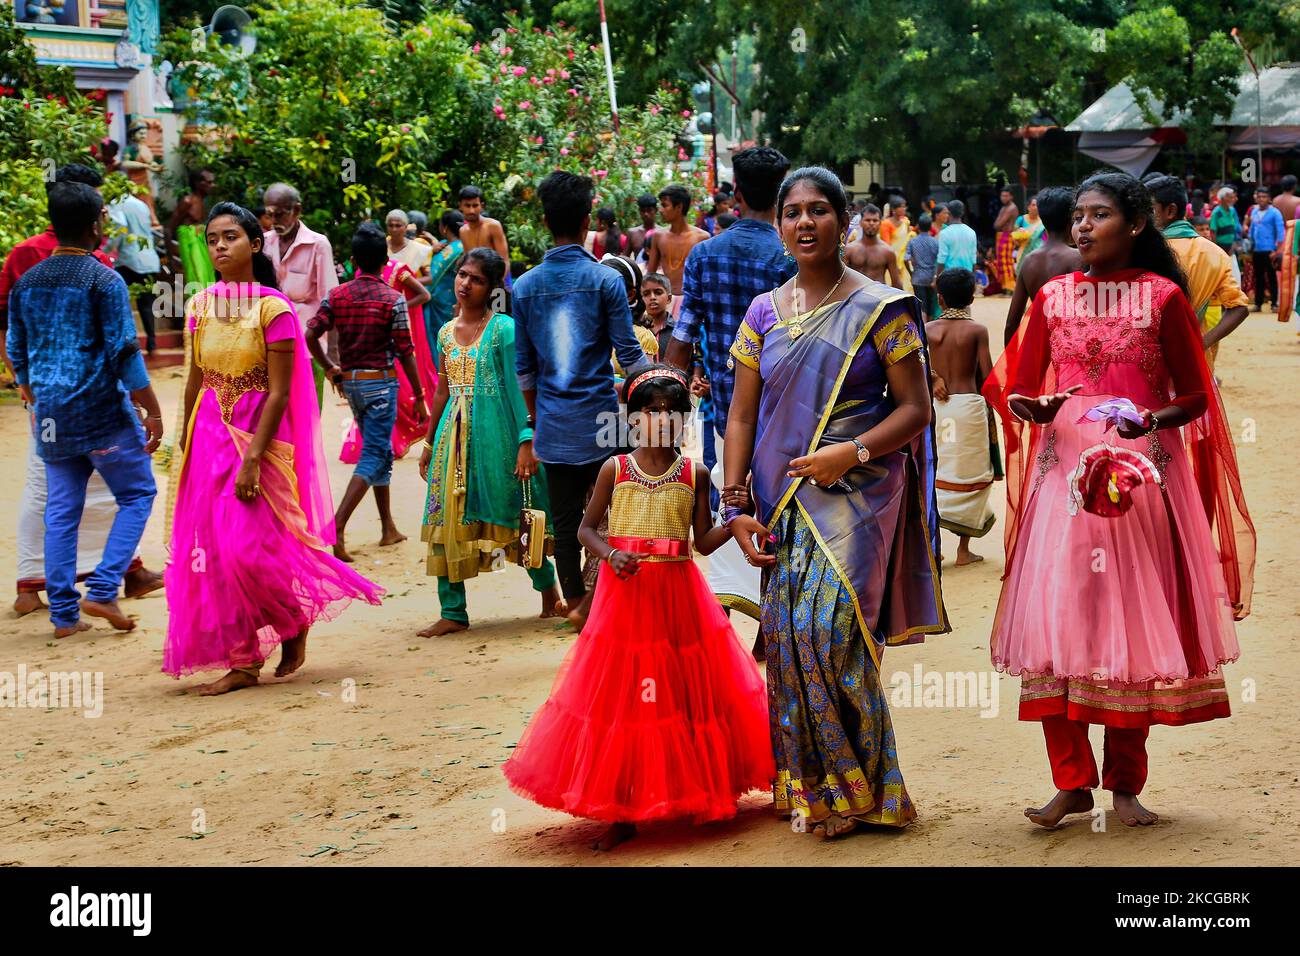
x=957, y=247
x=1266, y=229
x=923, y=252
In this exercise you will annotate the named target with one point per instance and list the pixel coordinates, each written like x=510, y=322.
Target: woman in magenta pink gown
x=250, y=561
x=1129, y=548
x=411, y=426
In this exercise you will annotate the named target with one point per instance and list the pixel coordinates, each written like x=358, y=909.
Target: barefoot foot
x=552, y=604
x=1132, y=813
x=835, y=826
x=109, y=611
x=970, y=557
x=442, y=626
x=28, y=601
x=140, y=582
x=72, y=629
x=292, y=654
x=616, y=834
x=1065, y=802
x=391, y=536
x=232, y=681
x=340, y=549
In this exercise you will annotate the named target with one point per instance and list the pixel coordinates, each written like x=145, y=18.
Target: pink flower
x=548, y=80
x=564, y=151
x=506, y=51
x=538, y=141
x=686, y=113
x=511, y=30
x=636, y=162
x=640, y=150
x=654, y=110
x=570, y=54
x=502, y=67
x=571, y=91
x=564, y=74
x=519, y=71
x=501, y=113
x=406, y=128
x=477, y=47
x=602, y=173
x=525, y=104
x=535, y=81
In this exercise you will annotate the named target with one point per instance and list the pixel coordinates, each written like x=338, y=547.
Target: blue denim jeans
x=374, y=406
x=128, y=472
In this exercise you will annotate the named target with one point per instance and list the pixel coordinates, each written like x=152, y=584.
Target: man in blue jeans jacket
x=373, y=328
x=570, y=312
x=77, y=361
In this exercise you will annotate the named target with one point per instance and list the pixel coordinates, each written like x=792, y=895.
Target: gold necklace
x=796, y=329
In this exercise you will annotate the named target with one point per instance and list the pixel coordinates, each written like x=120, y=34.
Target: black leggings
x=1264, y=274
x=569, y=486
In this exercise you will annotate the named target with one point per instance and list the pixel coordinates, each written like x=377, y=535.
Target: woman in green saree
x=478, y=457
x=831, y=419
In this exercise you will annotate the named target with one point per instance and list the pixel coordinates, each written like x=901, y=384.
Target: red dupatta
x=1026, y=368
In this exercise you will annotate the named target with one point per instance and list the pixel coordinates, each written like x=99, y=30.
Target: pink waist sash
x=659, y=547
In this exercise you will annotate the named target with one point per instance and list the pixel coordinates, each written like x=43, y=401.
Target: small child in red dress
x=658, y=712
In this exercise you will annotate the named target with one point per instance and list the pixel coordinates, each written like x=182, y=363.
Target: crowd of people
x=851, y=407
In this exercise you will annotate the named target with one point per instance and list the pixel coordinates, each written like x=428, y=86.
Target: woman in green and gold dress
x=478, y=458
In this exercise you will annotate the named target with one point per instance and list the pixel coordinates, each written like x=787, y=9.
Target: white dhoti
x=92, y=534
x=964, y=470
x=733, y=579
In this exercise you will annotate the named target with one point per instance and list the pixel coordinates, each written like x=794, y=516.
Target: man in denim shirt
x=570, y=312
x=722, y=276
x=75, y=356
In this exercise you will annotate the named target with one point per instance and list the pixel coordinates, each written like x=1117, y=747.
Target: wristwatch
x=864, y=456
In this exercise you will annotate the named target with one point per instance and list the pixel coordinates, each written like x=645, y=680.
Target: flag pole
x=609, y=63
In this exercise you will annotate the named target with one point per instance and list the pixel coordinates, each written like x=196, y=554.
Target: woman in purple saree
x=831, y=421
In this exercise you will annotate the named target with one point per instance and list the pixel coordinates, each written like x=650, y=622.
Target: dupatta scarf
x=893, y=576
x=302, y=419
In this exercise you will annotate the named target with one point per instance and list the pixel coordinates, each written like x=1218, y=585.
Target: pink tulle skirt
x=657, y=712
x=240, y=581
x=1126, y=600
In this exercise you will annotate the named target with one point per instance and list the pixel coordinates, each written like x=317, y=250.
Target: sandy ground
x=407, y=772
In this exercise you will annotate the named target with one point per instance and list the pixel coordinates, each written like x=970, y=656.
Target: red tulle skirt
x=657, y=712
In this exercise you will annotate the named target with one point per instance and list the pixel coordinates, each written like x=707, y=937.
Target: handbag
x=532, y=531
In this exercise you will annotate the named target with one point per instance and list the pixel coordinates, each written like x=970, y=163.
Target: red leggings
x=1124, y=762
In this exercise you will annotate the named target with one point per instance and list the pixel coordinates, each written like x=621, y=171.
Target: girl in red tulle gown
x=658, y=711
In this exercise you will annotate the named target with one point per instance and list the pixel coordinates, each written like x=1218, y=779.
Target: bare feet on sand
x=965, y=555
x=391, y=536
x=1065, y=802
x=28, y=601
x=109, y=611
x=552, y=604
x=340, y=550
x=835, y=826
x=140, y=582
x=442, y=626
x=232, y=681
x=72, y=629
x=616, y=834
x=292, y=654
x=1132, y=813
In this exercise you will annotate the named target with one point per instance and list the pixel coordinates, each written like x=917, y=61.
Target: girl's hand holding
x=736, y=496
x=826, y=465
x=623, y=563
x=745, y=529
x=1128, y=429
x=526, y=463
x=426, y=457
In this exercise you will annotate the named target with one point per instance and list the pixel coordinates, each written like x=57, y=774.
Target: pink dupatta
x=302, y=418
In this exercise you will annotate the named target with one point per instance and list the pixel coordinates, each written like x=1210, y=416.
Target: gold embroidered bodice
x=229, y=345
x=460, y=363
x=652, y=506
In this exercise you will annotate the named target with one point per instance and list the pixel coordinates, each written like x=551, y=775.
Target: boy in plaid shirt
x=373, y=328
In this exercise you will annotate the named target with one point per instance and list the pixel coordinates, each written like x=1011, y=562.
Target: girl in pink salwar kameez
x=1129, y=548
x=250, y=561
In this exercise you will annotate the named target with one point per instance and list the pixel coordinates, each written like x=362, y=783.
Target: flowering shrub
x=552, y=110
